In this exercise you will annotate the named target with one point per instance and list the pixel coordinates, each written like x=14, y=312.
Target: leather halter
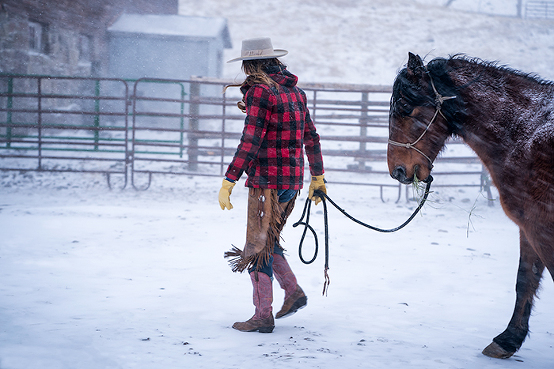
x=439, y=99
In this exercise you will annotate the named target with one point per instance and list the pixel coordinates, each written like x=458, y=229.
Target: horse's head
x=418, y=128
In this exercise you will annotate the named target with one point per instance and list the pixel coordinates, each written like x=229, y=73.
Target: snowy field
x=367, y=41
x=93, y=278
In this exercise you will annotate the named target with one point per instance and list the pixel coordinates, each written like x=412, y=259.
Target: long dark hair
x=256, y=73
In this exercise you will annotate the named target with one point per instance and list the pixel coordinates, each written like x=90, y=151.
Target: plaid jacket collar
x=280, y=75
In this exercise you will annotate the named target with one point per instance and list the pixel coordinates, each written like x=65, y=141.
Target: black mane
x=532, y=77
x=408, y=93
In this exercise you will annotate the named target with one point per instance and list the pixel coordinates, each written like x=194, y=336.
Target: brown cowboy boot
x=296, y=301
x=262, y=321
x=294, y=296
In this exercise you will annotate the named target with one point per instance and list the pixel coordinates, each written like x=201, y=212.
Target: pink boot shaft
x=262, y=321
x=284, y=275
x=294, y=296
x=263, y=295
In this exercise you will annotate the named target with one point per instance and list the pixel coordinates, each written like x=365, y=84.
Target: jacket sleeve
x=311, y=144
x=258, y=102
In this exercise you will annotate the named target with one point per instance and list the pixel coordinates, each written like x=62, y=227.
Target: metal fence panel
x=64, y=124
x=539, y=9
x=191, y=127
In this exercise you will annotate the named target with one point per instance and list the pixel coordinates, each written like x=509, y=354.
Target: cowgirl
x=276, y=132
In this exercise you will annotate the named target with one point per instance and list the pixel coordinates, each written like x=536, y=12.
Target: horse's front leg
x=528, y=279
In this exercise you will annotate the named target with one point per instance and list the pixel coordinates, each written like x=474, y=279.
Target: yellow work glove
x=225, y=194
x=318, y=183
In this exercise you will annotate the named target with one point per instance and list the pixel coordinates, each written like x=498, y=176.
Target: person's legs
x=260, y=261
x=267, y=214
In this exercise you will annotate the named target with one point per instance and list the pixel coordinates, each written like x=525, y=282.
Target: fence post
x=194, y=111
x=9, y=115
x=182, y=121
x=363, y=129
x=224, y=112
x=97, y=116
x=39, y=121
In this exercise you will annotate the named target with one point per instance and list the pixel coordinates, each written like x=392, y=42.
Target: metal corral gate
x=140, y=128
x=539, y=9
x=64, y=124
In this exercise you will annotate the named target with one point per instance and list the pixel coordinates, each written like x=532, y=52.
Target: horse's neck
x=503, y=113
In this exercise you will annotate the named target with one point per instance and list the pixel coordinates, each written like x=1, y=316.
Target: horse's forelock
x=404, y=87
x=415, y=94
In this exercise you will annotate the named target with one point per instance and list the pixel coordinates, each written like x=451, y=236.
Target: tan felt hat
x=258, y=48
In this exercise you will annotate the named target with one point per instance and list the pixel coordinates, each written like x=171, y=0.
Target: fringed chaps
x=266, y=219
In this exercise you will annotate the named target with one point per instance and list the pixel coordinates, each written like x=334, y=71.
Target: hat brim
x=277, y=53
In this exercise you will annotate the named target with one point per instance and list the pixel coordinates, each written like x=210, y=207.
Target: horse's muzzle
x=399, y=173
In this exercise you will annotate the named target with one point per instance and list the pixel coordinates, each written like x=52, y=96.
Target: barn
x=167, y=46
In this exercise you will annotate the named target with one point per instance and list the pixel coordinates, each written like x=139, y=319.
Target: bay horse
x=507, y=118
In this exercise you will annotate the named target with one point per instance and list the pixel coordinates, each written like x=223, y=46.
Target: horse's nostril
x=399, y=173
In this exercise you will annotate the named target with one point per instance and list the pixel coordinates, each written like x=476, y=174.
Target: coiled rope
x=324, y=198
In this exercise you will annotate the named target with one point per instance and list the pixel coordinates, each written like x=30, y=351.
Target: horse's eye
x=403, y=108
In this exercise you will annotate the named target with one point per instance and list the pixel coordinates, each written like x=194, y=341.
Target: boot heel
x=266, y=329
x=300, y=303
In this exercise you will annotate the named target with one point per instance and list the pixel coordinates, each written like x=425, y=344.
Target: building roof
x=173, y=25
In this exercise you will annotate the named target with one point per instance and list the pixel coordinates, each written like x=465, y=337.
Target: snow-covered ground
x=93, y=278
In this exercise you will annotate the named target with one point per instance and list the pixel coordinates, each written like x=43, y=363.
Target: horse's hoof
x=494, y=350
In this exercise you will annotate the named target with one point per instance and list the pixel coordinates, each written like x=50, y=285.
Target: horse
x=507, y=118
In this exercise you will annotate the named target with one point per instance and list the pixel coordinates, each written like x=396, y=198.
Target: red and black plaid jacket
x=276, y=129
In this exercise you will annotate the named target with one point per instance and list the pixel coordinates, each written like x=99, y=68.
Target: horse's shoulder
x=543, y=137
x=540, y=150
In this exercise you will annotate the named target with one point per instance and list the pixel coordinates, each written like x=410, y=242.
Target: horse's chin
x=406, y=181
x=428, y=179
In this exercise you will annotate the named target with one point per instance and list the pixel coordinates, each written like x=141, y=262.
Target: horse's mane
x=532, y=77
x=438, y=69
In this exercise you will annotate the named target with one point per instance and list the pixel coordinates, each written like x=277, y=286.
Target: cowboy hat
x=258, y=48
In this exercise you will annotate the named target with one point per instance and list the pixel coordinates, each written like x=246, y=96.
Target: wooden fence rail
x=141, y=128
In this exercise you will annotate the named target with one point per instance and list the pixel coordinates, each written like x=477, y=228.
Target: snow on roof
x=173, y=25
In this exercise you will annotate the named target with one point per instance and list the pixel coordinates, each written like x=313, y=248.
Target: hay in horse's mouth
x=416, y=179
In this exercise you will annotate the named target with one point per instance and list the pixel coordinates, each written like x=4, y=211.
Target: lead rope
x=324, y=197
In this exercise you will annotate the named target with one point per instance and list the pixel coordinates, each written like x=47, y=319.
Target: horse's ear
x=415, y=65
